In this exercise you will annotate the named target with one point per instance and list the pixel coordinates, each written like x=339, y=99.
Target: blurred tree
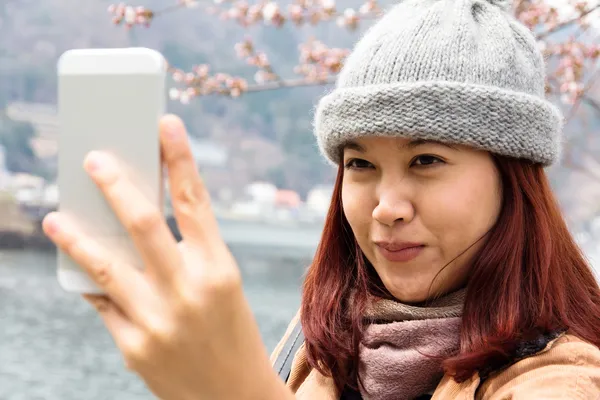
x=15, y=137
x=564, y=31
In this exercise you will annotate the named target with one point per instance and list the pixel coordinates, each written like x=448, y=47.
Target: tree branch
x=290, y=83
x=564, y=24
x=585, y=89
x=591, y=102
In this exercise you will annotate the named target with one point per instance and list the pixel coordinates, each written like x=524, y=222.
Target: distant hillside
x=268, y=134
x=33, y=34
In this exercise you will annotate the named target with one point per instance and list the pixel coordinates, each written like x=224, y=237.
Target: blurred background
x=253, y=143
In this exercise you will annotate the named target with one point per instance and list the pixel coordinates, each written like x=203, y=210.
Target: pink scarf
x=393, y=354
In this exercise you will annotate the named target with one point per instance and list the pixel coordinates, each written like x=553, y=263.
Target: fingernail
x=51, y=224
x=99, y=165
x=173, y=128
x=94, y=162
x=173, y=131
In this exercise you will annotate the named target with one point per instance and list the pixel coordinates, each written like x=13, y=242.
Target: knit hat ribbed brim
x=504, y=122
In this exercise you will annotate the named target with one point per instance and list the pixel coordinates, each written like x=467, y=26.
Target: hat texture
x=455, y=71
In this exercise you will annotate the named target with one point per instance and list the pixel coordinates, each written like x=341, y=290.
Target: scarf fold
x=395, y=356
x=393, y=362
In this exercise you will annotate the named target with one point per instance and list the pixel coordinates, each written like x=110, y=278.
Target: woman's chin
x=408, y=295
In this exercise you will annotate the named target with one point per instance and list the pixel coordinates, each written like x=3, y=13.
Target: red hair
x=529, y=271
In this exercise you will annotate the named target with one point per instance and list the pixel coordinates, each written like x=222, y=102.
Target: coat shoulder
x=284, y=338
x=569, y=367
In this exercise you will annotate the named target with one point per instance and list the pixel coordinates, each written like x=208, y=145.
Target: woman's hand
x=183, y=323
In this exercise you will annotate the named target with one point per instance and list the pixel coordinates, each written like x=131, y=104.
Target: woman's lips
x=403, y=254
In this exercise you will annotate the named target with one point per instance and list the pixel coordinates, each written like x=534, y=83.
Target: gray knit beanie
x=456, y=71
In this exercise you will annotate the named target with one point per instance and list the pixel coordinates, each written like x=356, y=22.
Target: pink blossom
x=178, y=76
x=270, y=11
x=571, y=58
x=189, y=3
x=328, y=5
x=184, y=97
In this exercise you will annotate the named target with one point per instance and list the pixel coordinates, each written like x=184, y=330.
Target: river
x=53, y=345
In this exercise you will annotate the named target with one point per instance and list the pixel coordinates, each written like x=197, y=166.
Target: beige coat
x=567, y=369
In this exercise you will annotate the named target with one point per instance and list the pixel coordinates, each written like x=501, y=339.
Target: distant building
x=319, y=198
x=208, y=153
x=4, y=173
x=262, y=193
x=287, y=199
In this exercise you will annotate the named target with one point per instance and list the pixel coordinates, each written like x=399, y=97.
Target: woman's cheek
x=358, y=212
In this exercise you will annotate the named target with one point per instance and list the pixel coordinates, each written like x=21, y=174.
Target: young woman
x=445, y=269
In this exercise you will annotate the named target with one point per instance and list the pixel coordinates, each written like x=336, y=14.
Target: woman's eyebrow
x=352, y=145
x=420, y=142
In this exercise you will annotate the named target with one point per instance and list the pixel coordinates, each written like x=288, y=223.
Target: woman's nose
x=393, y=206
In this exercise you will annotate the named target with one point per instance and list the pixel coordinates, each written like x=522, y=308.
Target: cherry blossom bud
x=262, y=60
x=569, y=74
x=184, y=98
x=567, y=99
x=328, y=6
x=233, y=13
x=189, y=3
x=296, y=13
x=130, y=15
x=120, y=10
x=254, y=13
x=178, y=76
x=174, y=93
x=201, y=70
x=270, y=11
x=260, y=77
x=349, y=13
x=221, y=77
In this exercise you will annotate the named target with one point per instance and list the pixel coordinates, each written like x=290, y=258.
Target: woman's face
x=415, y=206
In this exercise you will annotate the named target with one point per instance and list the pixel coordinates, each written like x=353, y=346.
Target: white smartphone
x=109, y=100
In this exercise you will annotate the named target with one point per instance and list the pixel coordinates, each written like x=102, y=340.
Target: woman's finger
x=143, y=220
x=190, y=198
x=125, y=334
x=123, y=283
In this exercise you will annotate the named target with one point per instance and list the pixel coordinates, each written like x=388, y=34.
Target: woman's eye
x=426, y=160
x=357, y=163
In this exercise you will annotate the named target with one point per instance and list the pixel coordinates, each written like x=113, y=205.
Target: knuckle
x=188, y=302
x=136, y=354
x=225, y=282
x=103, y=272
x=191, y=195
x=158, y=332
x=99, y=269
x=145, y=221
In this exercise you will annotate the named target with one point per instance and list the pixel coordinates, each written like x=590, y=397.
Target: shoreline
x=280, y=240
